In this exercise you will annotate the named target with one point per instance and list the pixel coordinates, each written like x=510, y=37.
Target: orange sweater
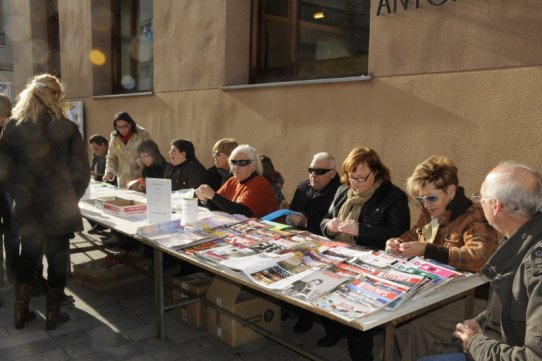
x=257, y=194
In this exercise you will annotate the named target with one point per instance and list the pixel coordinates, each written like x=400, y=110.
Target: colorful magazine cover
x=315, y=285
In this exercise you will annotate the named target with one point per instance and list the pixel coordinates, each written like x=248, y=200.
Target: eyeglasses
x=144, y=156
x=430, y=199
x=478, y=198
x=122, y=126
x=217, y=154
x=360, y=179
x=319, y=171
x=241, y=162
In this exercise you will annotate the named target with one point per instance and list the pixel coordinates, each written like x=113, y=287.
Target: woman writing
x=451, y=230
x=154, y=163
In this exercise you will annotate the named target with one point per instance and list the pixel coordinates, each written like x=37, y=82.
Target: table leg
x=159, y=293
x=469, y=304
x=389, y=339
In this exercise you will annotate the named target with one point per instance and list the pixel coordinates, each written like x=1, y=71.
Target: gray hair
x=250, y=152
x=517, y=186
x=325, y=156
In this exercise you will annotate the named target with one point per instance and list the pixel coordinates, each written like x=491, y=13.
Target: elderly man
x=511, y=326
x=312, y=199
x=313, y=196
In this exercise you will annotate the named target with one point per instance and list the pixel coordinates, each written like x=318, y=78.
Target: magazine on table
x=190, y=250
x=315, y=285
x=224, y=252
x=280, y=274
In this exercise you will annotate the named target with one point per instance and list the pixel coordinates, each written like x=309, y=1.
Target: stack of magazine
x=347, y=281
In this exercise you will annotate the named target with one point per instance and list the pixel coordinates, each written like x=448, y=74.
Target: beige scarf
x=351, y=209
x=430, y=230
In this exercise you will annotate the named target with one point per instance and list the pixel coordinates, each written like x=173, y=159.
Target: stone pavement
x=120, y=325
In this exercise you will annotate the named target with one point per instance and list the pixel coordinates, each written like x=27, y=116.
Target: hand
x=350, y=227
x=297, y=220
x=465, y=331
x=392, y=245
x=108, y=177
x=412, y=249
x=204, y=192
x=333, y=225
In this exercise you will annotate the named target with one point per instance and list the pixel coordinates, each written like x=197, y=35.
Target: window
x=308, y=39
x=131, y=46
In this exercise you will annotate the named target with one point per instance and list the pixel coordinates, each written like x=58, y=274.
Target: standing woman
x=47, y=168
x=122, y=157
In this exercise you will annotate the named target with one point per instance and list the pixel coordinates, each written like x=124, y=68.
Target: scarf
x=126, y=138
x=351, y=209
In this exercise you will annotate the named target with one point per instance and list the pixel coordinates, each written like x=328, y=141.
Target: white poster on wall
x=74, y=112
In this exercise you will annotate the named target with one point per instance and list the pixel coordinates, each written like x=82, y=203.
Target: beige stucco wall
x=441, y=85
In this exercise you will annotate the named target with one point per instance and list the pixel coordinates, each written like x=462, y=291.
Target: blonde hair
x=437, y=169
x=44, y=92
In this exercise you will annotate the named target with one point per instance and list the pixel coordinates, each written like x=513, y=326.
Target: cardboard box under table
x=244, y=304
x=104, y=274
x=196, y=284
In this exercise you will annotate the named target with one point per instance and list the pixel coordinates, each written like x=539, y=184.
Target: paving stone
x=54, y=343
x=23, y=337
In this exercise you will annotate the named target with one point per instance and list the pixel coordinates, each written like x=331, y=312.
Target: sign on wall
x=5, y=89
x=74, y=111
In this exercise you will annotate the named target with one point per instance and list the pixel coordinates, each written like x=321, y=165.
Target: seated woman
x=451, y=230
x=274, y=177
x=184, y=169
x=220, y=172
x=367, y=210
x=246, y=193
x=154, y=163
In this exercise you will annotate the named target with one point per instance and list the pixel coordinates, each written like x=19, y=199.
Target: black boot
x=22, y=299
x=54, y=316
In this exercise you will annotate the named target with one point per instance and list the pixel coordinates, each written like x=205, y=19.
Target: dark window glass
x=309, y=39
x=132, y=46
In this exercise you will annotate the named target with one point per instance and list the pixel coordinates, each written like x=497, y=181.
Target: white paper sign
x=158, y=200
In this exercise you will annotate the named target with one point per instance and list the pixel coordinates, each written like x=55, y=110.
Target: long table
x=461, y=288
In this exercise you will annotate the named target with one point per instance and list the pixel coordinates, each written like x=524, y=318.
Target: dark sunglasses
x=319, y=171
x=241, y=162
x=430, y=199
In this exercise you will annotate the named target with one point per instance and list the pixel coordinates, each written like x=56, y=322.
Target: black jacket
x=188, y=174
x=156, y=170
x=385, y=215
x=314, y=204
x=46, y=167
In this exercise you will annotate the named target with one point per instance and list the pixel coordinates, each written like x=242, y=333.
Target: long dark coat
x=45, y=168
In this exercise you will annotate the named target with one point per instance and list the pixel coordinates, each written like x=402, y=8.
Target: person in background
x=47, y=170
x=220, y=172
x=99, y=147
x=367, y=210
x=451, y=230
x=275, y=179
x=510, y=326
x=312, y=199
x=8, y=240
x=154, y=163
x=246, y=193
x=122, y=157
x=184, y=169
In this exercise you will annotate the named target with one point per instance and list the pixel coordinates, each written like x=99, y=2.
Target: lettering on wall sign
x=392, y=8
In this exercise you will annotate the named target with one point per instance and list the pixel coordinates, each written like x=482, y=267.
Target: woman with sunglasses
x=367, y=210
x=122, y=158
x=247, y=192
x=451, y=230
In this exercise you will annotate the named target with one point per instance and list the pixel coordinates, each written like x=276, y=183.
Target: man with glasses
x=312, y=199
x=314, y=195
x=510, y=327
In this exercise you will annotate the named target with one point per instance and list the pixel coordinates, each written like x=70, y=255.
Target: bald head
x=516, y=186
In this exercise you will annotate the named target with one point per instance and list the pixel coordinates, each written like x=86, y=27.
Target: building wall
x=462, y=79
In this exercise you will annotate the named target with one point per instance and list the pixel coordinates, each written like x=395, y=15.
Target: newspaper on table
x=315, y=285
